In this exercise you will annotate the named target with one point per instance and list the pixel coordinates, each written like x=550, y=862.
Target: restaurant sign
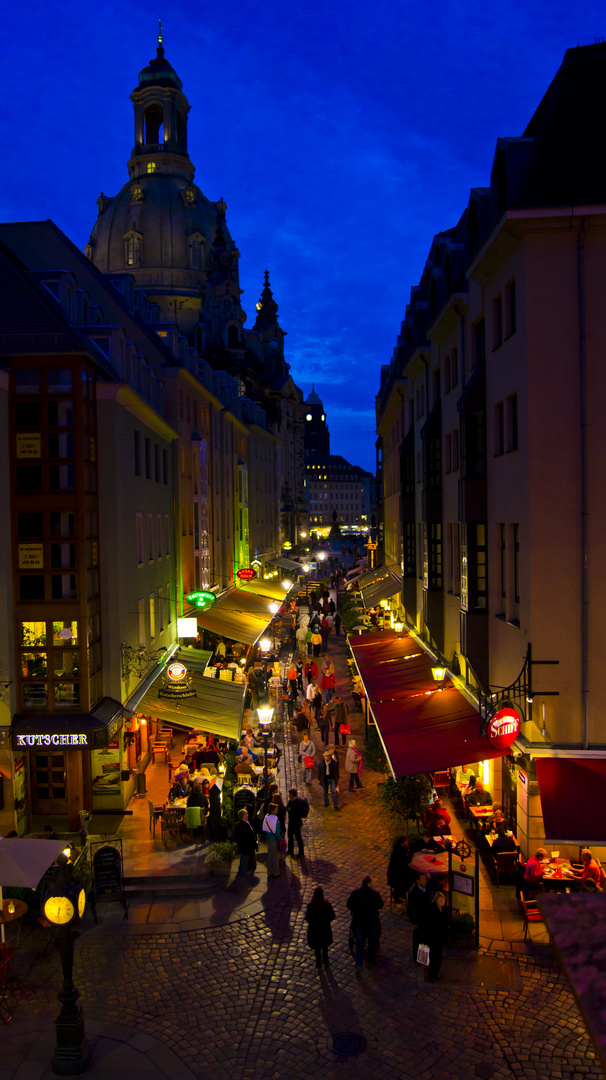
x=246, y=573
x=503, y=728
x=177, y=682
x=202, y=599
x=68, y=740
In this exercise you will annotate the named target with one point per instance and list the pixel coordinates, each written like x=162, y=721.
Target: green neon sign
x=201, y=599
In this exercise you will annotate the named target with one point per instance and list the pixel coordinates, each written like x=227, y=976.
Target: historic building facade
x=332, y=484
x=491, y=441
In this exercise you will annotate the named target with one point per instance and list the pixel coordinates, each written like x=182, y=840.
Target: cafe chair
x=441, y=779
x=506, y=862
x=166, y=734
x=161, y=750
x=530, y=912
x=193, y=818
x=153, y=816
x=357, y=700
x=170, y=822
x=244, y=780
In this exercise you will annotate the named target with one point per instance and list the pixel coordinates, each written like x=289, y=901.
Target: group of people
x=364, y=905
x=280, y=826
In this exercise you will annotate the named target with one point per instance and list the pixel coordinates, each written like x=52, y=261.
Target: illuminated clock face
x=308, y=417
x=59, y=910
x=81, y=902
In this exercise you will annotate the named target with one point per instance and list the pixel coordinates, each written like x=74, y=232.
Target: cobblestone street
x=244, y=1000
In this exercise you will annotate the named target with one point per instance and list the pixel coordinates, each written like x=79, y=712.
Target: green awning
x=217, y=707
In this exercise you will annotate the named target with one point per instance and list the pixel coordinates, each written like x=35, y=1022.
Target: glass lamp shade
x=265, y=644
x=286, y=584
x=274, y=607
x=439, y=673
x=265, y=714
x=398, y=627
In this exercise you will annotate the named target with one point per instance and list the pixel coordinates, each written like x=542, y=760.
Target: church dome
x=159, y=73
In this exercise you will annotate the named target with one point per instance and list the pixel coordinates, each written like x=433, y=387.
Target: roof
x=313, y=398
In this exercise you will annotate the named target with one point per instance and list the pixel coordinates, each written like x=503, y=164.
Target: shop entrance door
x=48, y=782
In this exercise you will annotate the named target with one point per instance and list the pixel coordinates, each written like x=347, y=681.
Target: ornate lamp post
x=63, y=906
x=265, y=714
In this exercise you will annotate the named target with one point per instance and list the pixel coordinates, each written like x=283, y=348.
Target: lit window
x=151, y=166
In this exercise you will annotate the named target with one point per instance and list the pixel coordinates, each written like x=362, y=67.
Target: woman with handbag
x=272, y=835
x=307, y=754
x=353, y=764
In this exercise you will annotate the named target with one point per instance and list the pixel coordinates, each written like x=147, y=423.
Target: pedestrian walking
x=328, y=775
x=437, y=928
x=272, y=835
x=353, y=765
x=365, y=904
x=308, y=642
x=307, y=756
x=327, y=680
x=296, y=810
x=311, y=670
x=244, y=838
x=338, y=621
x=324, y=633
x=291, y=675
x=324, y=723
x=418, y=907
x=316, y=640
x=399, y=874
x=319, y=915
x=342, y=725
x=299, y=670
x=300, y=636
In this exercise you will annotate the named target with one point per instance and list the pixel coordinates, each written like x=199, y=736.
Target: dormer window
x=132, y=248
x=189, y=196
x=196, y=251
x=137, y=194
x=151, y=166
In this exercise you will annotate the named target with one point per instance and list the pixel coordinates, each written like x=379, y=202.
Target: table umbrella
x=24, y=862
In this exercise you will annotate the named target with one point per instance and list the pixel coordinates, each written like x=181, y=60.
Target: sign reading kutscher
x=503, y=728
x=68, y=740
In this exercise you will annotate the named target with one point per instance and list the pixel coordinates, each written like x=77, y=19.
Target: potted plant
x=462, y=927
x=220, y=856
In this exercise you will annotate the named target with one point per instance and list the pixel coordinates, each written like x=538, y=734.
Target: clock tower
x=316, y=433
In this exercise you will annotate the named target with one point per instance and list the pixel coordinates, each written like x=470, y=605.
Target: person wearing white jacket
x=353, y=762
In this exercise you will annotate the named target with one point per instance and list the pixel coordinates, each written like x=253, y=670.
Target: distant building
x=332, y=484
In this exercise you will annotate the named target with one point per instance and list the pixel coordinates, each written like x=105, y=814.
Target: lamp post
x=64, y=905
x=265, y=714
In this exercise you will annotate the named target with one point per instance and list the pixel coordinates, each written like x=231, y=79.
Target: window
x=502, y=552
x=141, y=618
x=167, y=598
x=167, y=534
x=435, y=380
x=148, y=459
x=137, y=450
x=455, y=450
x=499, y=429
x=497, y=322
x=61, y=477
x=510, y=299
x=512, y=422
x=420, y=402
x=27, y=381
x=479, y=343
x=150, y=538
x=515, y=610
x=160, y=611
x=165, y=466
x=132, y=249
x=139, y=538
x=152, y=616
x=448, y=454
x=157, y=463
x=151, y=166
x=447, y=374
x=196, y=251
x=454, y=368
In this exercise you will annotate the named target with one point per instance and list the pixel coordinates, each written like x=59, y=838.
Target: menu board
x=107, y=871
x=105, y=770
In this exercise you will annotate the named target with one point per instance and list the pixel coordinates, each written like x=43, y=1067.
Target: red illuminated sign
x=246, y=574
x=503, y=728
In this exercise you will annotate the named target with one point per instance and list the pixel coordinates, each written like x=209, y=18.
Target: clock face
x=81, y=902
x=273, y=344
x=59, y=910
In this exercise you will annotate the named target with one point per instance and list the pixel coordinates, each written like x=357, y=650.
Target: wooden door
x=48, y=782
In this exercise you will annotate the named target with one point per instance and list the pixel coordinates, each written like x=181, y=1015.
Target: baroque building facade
x=491, y=448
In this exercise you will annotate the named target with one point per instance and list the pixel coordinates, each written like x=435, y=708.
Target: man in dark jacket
x=365, y=904
x=295, y=809
x=244, y=838
x=480, y=796
x=503, y=842
x=328, y=775
x=419, y=906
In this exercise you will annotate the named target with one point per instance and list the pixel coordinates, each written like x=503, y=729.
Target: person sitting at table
x=197, y=797
x=479, y=796
x=439, y=830
x=208, y=756
x=244, y=766
x=533, y=871
x=590, y=886
x=591, y=869
x=464, y=775
x=426, y=842
x=437, y=811
x=503, y=842
x=249, y=738
x=245, y=749
x=181, y=788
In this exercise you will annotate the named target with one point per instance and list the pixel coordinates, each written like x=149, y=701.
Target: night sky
x=342, y=136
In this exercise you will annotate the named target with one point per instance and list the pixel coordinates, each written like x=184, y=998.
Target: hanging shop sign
x=202, y=599
x=287, y=545
x=256, y=564
x=246, y=573
x=177, y=682
x=503, y=728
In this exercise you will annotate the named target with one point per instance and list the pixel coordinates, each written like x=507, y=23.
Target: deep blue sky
x=342, y=136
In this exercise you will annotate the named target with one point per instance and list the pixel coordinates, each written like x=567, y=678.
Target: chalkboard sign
x=107, y=871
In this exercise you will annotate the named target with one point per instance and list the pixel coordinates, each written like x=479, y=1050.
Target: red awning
x=573, y=793
x=423, y=727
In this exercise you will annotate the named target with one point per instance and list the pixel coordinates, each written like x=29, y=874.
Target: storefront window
x=60, y=414
x=62, y=524
x=66, y=663
x=65, y=633
x=63, y=587
x=35, y=696
x=33, y=665
x=66, y=695
x=33, y=633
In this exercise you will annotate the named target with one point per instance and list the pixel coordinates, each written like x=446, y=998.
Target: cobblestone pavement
x=243, y=1001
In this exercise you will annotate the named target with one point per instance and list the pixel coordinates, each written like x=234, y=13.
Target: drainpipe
x=584, y=493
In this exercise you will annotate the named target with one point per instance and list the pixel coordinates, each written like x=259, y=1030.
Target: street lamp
x=306, y=568
x=439, y=673
x=321, y=555
x=265, y=644
x=63, y=905
x=265, y=714
x=274, y=607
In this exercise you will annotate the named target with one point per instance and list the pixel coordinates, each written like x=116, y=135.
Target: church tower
x=160, y=227
x=317, y=435
x=271, y=334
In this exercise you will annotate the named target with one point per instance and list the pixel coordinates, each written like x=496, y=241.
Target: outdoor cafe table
x=430, y=862
x=491, y=837
x=559, y=875
x=480, y=813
